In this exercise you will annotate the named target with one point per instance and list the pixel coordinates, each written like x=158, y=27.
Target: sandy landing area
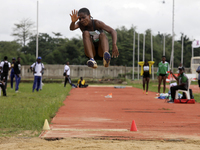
x=94, y=144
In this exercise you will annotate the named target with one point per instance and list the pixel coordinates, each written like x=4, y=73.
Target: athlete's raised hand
x=74, y=15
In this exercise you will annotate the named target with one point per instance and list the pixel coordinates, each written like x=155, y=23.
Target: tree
x=58, y=39
x=46, y=45
x=57, y=34
x=23, y=31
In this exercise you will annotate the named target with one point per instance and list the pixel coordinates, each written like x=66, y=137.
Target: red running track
x=87, y=113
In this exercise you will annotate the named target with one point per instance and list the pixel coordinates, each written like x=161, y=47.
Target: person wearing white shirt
x=37, y=69
x=67, y=74
x=5, y=67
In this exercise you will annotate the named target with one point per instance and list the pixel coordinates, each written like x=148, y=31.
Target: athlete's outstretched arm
x=74, y=18
x=101, y=25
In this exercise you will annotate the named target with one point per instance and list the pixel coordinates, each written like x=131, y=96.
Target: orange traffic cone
x=133, y=126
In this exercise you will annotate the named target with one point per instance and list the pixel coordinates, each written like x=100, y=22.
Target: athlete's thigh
x=88, y=44
x=144, y=80
x=148, y=79
x=164, y=79
x=159, y=79
x=103, y=44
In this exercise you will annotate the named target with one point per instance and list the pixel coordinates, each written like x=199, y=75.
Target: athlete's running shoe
x=106, y=59
x=92, y=63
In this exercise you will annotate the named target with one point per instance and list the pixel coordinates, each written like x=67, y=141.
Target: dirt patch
x=95, y=144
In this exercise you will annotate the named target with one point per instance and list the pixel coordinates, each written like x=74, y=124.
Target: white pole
x=164, y=45
x=138, y=53
x=172, y=56
x=133, y=54
x=37, y=33
x=182, y=50
x=143, y=47
x=152, y=56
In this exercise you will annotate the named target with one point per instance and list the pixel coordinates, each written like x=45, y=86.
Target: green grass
x=26, y=110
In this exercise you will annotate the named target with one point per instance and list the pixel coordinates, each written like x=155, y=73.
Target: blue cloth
x=17, y=81
x=36, y=82
x=162, y=97
x=12, y=75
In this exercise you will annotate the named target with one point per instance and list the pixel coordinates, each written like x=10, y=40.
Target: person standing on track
x=146, y=77
x=162, y=74
x=95, y=42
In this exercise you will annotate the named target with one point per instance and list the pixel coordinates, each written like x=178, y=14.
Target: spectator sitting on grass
x=81, y=83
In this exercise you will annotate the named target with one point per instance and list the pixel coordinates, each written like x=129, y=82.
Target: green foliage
x=58, y=50
x=27, y=110
x=12, y=49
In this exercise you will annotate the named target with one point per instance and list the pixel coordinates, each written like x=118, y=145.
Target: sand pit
x=91, y=144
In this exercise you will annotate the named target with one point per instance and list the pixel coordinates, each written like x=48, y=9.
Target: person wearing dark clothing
x=146, y=77
x=182, y=81
x=95, y=41
x=5, y=67
x=12, y=73
x=17, y=71
x=2, y=86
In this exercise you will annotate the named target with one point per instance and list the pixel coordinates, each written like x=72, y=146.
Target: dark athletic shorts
x=146, y=75
x=162, y=75
x=199, y=82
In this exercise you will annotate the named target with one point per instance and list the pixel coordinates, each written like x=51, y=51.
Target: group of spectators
x=15, y=67
x=5, y=67
x=162, y=73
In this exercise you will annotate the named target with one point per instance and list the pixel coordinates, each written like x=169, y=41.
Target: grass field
x=24, y=113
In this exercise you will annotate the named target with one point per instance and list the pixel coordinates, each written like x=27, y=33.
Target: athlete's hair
x=84, y=10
